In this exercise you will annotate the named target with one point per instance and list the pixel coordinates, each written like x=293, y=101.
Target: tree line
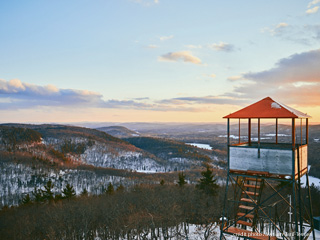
x=160, y=211
x=145, y=211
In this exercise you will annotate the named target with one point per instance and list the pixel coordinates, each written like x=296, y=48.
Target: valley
x=130, y=154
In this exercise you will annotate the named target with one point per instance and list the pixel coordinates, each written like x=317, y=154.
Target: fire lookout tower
x=264, y=198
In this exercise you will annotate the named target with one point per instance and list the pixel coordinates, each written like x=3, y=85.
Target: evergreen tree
x=162, y=182
x=26, y=199
x=182, y=179
x=110, y=189
x=120, y=188
x=68, y=191
x=37, y=194
x=84, y=192
x=207, y=183
x=48, y=191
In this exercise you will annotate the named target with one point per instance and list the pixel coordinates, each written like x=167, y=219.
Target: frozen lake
x=201, y=145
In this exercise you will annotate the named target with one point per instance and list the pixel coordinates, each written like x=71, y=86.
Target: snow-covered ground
x=201, y=145
x=146, y=171
x=312, y=180
x=209, y=231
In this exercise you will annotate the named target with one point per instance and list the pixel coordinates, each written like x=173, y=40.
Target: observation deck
x=269, y=159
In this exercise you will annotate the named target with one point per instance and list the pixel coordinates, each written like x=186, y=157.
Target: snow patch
x=201, y=145
x=275, y=105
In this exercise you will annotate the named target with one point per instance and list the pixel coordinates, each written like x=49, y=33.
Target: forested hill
x=169, y=149
x=119, y=131
x=31, y=155
x=62, y=145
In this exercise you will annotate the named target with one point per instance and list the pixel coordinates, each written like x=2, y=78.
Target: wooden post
x=259, y=131
x=276, y=130
x=258, y=137
x=239, y=131
x=307, y=132
x=293, y=134
x=301, y=131
x=228, y=132
x=249, y=131
x=228, y=142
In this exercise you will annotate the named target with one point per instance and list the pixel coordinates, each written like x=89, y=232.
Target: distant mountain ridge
x=119, y=131
x=75, y=145
x=60, y=144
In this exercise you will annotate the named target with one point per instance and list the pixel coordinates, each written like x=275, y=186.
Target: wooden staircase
x=250, y=197
x=246, y=216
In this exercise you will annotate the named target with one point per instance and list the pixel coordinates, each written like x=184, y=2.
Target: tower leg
x=310, y=207
x=301, y=235
x=224, y=207
x=296, y=233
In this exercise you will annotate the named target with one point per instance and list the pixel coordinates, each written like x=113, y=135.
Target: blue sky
x=155, y=60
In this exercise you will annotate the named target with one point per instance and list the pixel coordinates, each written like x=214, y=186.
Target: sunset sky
x=155, y=60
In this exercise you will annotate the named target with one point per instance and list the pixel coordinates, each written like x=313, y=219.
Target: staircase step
x=253, y=179
x=246, y=207
x=244, y=223
x=240, y=214
x=248, y=200
x=250, y=193
x=251, y=186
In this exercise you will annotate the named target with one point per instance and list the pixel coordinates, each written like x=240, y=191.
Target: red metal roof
x=267, y=108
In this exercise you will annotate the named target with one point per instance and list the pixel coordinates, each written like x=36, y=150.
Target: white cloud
x=213, y=75
x=278, y=29
x=146, y=2
x=24, y=95
x=308, y=34
x=235, y=78
x=314, y=2
x=292, y=78
x=185, y=56
x=164, y=38
x=298, y=67
x=282, y=25
x=222, y=46
x=312, y=10
x=203, y=100
x=152, y=46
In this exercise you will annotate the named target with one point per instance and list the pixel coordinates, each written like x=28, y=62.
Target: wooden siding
x=303, y=153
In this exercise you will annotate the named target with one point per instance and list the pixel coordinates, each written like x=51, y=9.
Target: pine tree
x=110, y=189
x=207, y=183
x=48, y=191
x=182, y=179
x=68, y=191
x=38, y=196
x=162, y=182
x=26, y=199
x=120, y=188
x=84, y=192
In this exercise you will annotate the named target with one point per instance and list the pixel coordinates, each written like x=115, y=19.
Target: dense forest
x=157, y=211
